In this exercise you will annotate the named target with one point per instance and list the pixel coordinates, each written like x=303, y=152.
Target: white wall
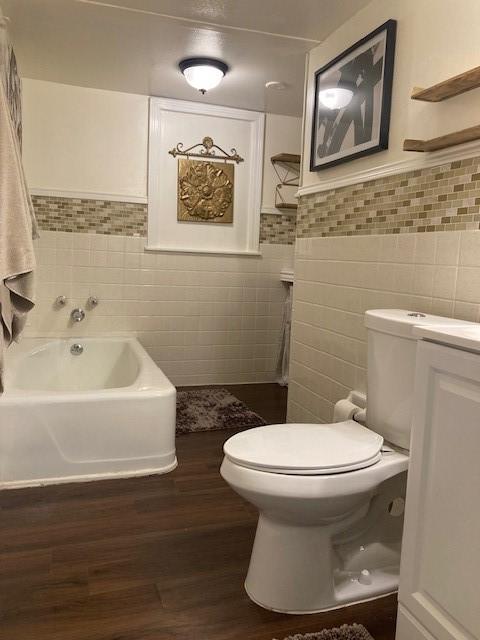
x=89, y=141
x=339, y=278
x=85, y=140
x=204, y=319
x=435, y=40
x=283, y=134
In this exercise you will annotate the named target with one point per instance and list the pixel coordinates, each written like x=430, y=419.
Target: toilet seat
x=306, y=449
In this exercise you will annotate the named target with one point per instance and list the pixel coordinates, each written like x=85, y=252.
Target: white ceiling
x=135, y=45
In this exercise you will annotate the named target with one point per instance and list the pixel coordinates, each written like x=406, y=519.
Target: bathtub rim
x=151, y=381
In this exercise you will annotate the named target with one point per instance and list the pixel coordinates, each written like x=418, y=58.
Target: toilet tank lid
x=401, y=322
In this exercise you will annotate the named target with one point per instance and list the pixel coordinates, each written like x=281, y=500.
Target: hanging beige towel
x=17, y=259
x=11, y=84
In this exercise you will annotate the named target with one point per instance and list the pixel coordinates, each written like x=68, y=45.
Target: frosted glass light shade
x=203, y=73
x=203, y=77
x=335, y=97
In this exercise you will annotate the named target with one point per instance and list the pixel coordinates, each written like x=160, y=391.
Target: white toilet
x=331, y=496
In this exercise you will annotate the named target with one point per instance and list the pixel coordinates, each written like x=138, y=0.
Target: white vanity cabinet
x=439, y=595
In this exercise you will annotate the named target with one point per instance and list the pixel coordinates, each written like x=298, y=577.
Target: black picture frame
x=383, y=127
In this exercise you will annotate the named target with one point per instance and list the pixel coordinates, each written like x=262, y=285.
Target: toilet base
x=297, y=569
x=303, y=613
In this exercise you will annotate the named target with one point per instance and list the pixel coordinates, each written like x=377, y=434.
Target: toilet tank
x=391, y=370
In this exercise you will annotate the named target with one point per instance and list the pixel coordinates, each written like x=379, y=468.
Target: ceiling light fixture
x=335, y=97
x=203, y=73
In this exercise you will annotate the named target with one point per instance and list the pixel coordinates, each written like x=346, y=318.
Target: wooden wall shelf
x=287, y=168
x=286, y=158
x=449, y=88
x=442, y=91
x=443, y=142
x=287, y=206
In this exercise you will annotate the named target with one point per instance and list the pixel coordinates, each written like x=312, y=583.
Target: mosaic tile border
x=82, y=215
x=441, y=198
x=277, y=228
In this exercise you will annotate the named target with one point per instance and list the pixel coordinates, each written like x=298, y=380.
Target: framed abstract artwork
x=353, y=95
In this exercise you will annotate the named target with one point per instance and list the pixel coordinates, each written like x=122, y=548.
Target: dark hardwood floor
x=155, y=558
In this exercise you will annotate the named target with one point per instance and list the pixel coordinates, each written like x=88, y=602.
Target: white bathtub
x=108, y=412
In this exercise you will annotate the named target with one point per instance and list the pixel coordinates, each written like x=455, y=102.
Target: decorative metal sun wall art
x=205, y=191
x=205, y=187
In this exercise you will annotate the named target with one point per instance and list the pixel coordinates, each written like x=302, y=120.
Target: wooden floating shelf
x=449, y=88
x=443, y=142
x=288, y=206
x=286, y=158
x=290, y=164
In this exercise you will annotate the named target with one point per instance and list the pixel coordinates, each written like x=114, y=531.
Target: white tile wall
x=204, y=319
x=339, y=278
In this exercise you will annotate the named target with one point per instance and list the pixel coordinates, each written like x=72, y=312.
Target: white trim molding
x=161, y=231
x=226, y=252
x=418, y=161
x=87, y=195
x=185, y=106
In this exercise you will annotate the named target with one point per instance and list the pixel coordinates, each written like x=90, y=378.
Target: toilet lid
x=306, y=449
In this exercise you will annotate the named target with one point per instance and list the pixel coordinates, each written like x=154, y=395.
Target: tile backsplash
x=441, y=198
x=338, y=278
x=203, y=318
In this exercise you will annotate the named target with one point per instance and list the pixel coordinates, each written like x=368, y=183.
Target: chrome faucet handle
x=77, y=315
x=60, y=301
x=92, y=302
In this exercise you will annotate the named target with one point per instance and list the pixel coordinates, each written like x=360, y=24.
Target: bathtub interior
x=101, y=365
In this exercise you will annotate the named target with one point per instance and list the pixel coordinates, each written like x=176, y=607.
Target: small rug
x=345, y=632
x=213, y=409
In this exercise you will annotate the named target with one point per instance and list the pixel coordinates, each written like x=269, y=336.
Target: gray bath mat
x=345, y=632
x=211, y=410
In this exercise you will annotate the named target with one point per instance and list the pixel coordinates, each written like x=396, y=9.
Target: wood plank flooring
x=155, y=558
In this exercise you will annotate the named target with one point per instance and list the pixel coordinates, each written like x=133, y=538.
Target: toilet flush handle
x=360, y=416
